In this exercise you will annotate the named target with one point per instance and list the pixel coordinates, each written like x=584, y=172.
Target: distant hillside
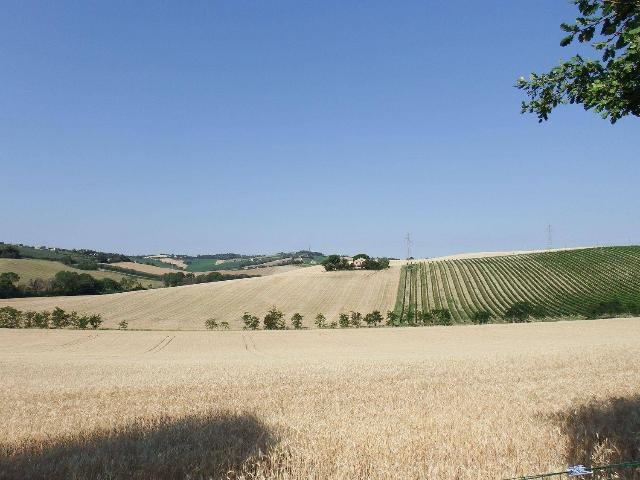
x=31, y=269
x=230, y=261
x=309, y=291
x=67, y=256
x=563, y=283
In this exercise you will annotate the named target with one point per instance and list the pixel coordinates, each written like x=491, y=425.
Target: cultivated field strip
x=564, y=282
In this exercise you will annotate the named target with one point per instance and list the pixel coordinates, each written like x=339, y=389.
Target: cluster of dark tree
x=212, y=324
x=337, y=262
x=58, y=318
x=175, y=279
x=103, y=257
x=8, y=251
x=81, y=263
x=64, y=283
x=441, y=316
x=612, y=308
x=522, y=311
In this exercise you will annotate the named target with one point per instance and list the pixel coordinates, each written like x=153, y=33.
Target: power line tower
x=549, y=237
x=409, y=244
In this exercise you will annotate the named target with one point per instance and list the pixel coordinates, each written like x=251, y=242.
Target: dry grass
x=473, y=402
x=306, y=290
x=143, y=267
x=264, y=271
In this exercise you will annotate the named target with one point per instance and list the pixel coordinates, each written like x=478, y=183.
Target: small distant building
x=359, y=262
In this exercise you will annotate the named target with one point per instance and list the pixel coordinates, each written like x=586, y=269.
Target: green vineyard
x=562, y=283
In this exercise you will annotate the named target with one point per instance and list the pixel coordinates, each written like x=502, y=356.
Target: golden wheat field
x=472, y=402
x=308, y=290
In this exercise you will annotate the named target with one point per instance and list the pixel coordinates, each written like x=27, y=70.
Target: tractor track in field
x=161, y=345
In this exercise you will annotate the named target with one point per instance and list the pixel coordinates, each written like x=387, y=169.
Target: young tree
x=251, y=322
x=442, y=316
x=28, y=319
x=274, y=320
x=95, y=320
x=481, y=317
x=333, y=324
x=123, y=325
x=78, y=321
x=224, y=325
x=296, y=321
x=321, y=321
x=343, y=320
x=426, y=318
x=610, y=86
x=211, y=324
x=410, y=317
x=356, y=319
x=392, y=318
x=521, y=311
x=41, y=319
x=373, y=319
x=59, y=318
x=10, y=317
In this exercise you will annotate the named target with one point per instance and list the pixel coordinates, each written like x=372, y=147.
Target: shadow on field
x=210, y=446
x=604, y=432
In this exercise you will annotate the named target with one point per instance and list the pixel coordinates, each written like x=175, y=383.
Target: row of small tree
x=275, y=320
x=57, y=318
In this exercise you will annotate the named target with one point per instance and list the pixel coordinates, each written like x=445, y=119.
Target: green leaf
x=566, y=40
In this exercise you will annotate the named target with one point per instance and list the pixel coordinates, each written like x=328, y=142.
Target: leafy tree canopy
x=611, y=85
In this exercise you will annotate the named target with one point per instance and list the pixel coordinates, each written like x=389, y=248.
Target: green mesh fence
x=617, y=471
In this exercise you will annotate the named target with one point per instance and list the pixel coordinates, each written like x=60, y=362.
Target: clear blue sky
x=261, y=126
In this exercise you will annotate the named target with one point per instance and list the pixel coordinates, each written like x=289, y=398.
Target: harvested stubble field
x=145, y=268
x=308, y=290
x=473, y=402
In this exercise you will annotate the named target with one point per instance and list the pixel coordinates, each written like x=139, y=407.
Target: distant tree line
x=58, y=318
x=360, y=261
x=64, y=283
x=9, y=251
x=176, y=279
x=275, y=319
x=225, y=256
x=130, y=271
x=73, y=256
x=73, y=283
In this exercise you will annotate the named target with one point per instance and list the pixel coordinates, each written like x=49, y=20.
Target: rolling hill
x=563, y=282
x=308, y=290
